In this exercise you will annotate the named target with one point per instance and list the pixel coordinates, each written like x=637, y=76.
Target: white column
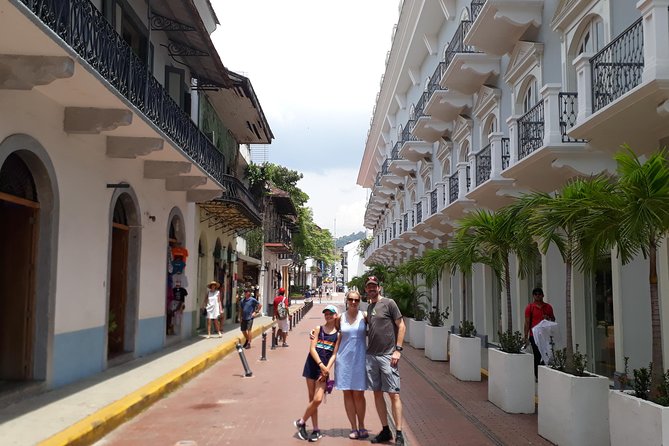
x=655, y=37
x=472, y=173
x=550, y=95
x=462, y=179
x=512, y=122
x=495, y=154
x=583, y=86
x=441, y=194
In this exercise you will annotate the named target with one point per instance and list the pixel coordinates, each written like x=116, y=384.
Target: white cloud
x=333, y=194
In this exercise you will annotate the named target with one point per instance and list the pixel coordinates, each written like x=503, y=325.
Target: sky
x=316, y=68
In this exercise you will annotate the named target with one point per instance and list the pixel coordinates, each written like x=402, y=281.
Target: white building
x=483, y=100
x=114, y=128
x=353, y=264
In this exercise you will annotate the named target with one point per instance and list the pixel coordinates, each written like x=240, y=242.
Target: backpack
x=282, y=309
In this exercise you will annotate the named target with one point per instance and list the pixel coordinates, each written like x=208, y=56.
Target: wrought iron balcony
x=384, y=167
x=457, y=44
x=81, y=25
x=476, y=6
x=394, y=229
x=568, y=112
x=419, y=212
x=433, y=201
x=483, y=165
x=435, y=80
x=469, y=178
x=453, y=186
x=236, y=209
x=406, y=132
x=531, y=130
x=405, y=219
x=395, y=154
x=420, y=105
x=617, y=67
x=506, y=153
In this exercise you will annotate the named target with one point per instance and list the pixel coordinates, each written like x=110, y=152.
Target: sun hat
x=213, y=282
x=331, y=308
x=372, y=279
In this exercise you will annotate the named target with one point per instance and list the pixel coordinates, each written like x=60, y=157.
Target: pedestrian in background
x=281, y=303
x=350, y=365
x=213, y=307
x=535, y=312
x=250, y=309
x=317, y=368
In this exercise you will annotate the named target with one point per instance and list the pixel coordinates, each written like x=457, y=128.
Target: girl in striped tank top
x=322, y=354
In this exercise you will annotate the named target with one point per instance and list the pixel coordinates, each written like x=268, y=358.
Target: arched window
x=530, y=96
x=592, y=39
x=16, y=179
x=490, y=127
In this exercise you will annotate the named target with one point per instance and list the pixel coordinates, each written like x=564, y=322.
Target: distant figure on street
x=321, y=358
x=213, y=306
x=350, y=365
x=535, y=312
x=385, y=335
x=250, y=309
x=281, y=315
x=320, y=293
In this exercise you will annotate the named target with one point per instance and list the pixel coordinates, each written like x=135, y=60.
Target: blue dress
x=350, y=372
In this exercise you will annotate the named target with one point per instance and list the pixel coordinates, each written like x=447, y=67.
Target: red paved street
x=222, y=407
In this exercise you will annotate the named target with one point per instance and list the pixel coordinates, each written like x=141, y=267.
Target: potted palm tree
x=436, y=335
x=569, y=396
x=640, y=211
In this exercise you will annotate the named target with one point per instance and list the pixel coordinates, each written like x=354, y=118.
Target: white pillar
x=512, y=122
x=462, y=179
x=550, y=94
x=655, y=37
x=583, y=86
x=495, y=154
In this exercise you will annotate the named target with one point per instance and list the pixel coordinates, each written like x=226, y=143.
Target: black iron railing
x=483, y=165
x=394, y=229
x=506, y=153
x=457, y=44
x=433, y=201
x=384, y=167
x=420, y=105
x=412, y=219
x=568, y=113
x=405, y=218
x=435, y=79
x=617, y=67
x=377, y=182
x=419, y=212
x=236, y=192
x=453, y=187
x=395, y=153
x=406, y=131
x=476, y=7
x=83, y=27
x=469, y=178
x=531, y=130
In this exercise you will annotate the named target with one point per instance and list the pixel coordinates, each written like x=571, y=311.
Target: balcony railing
x=506, y=153
x=394, y=229
x=483, y=165
x=377, y=182
x=419, y=212
x=406, y=132
x=433, y=201
x=617, y=67
x=81, y=25
x=420, y=105
x=457, y=44
x=395, y=154
x=453, y=187
x=435, y=80
x=405, y=218
x=476, y=7
x=469, y=178
x=531, y=130
x=568, y=111
x=384, y=167
x=236, y=192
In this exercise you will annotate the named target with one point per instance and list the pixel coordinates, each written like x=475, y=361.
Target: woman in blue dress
x=351, y=375
x=321, y=358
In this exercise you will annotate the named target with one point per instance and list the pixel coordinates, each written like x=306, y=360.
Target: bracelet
x=320, y=363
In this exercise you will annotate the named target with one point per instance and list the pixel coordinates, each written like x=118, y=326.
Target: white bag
x=542, y=333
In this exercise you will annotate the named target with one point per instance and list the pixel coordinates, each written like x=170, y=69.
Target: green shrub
x=467, y=329
x=511, y=342
x=437, y=319
x=558, y=359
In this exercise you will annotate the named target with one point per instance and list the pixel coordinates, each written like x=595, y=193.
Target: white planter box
x=637, y=422
x=465, y=358
x=436, y=343
x=407, y=332
x=511, y=381
x=574, y=410
x=417, y=333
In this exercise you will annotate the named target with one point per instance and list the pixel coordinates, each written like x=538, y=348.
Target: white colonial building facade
x=483, y=100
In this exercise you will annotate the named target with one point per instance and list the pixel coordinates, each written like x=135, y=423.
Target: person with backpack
x=281, y=314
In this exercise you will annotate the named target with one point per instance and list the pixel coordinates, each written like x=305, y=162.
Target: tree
x=635, y=220
x=556, y=219
x=490, y=238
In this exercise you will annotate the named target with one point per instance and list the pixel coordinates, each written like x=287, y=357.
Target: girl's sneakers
x=315, y=436
x=301, y=430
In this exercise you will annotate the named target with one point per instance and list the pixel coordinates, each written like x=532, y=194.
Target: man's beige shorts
x=282, y=324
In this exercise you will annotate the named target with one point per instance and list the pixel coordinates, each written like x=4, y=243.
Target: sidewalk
x=82, y=412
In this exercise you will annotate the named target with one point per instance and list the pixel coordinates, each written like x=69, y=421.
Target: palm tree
x=635, y=220
x=490, y=238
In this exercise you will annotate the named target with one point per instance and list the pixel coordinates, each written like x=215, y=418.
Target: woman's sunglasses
x=352, y=300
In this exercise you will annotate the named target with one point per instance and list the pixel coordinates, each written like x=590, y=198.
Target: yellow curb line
x=100, y=423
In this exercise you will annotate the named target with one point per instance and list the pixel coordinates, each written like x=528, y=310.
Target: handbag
x=203, y=312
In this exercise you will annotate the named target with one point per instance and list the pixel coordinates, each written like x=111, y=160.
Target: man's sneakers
x=315, y=436
x=399, y=439
x=384, y=436
x=301, y=430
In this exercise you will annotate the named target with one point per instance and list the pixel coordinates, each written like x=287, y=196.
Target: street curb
x=98, y=424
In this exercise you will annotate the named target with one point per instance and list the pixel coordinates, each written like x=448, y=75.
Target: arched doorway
x=203, y=280
x=20, y=210
x=123, y=276
x=176, y=277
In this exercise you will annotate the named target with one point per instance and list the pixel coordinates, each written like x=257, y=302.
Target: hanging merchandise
x=179, y=251
x=178, y=266
x=180, y=278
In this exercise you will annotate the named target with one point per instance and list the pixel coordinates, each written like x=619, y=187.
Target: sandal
x=363, y=434
x=353, y=435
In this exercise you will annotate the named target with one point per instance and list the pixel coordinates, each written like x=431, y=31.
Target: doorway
x=600, y=326
x=18, y=237
x=118, y=281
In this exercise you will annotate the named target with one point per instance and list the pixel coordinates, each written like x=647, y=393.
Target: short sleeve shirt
x=536, y=314
x=180, y=294
x=248, y=307
x=277, y=301
x=382, y=329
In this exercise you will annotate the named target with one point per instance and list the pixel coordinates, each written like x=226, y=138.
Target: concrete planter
x=417, y=333
x=511, y=381
x=407, y=332
x=636, y=421
x=574, y=410
x=436, y=343
x=465, y=358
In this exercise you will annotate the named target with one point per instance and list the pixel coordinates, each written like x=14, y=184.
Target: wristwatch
x=398, y=348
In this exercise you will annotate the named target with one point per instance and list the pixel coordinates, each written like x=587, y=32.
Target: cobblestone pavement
x=222, y=407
